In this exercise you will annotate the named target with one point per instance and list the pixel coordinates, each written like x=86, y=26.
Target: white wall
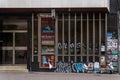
x=53, y=3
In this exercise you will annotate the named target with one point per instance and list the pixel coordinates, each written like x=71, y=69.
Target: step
x=21, y=68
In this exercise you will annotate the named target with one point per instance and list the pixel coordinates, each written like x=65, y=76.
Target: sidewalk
x=56, y=76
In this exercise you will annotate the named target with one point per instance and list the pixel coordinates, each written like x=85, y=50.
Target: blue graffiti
x=67, y=67
x=77, y=67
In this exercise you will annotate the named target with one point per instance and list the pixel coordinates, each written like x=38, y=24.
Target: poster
x=90, y=66
x=112, y=58
x=112, y=49
x=48, y=38
x=48, y=25
x=48, y=50
x=96, y=66
x=47, y=31
x=48, y=61
x=102, y=61
x=47, y=43
x=112, y=44
x=47, y=35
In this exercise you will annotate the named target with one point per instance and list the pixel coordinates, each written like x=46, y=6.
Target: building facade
x=37, y=33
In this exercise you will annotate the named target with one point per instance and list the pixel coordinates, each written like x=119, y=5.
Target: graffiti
x=77, y=67
x=63, y=67
x=68, y=67
x=72, y=45
x=81, y=67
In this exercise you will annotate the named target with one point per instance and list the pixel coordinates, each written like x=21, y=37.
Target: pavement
x=56, y=76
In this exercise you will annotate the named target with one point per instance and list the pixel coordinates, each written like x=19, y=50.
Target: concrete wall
x=114, y=5
x=54, y=3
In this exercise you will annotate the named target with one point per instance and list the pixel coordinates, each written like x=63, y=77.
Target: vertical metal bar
x=93, y=37
x=105, y=33
x=100, y=34
x=75, y=37
x=81, y=37
x=39, y=40
x=69, y=36
x=63, y=37
x=56, y=38
x=87, y=37
x=32, y=37
x=13, y=48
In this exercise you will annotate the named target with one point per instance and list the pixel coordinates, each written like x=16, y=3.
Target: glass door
x=14, y=50
x=20, y=47
x=14, y=42
x=7, y=48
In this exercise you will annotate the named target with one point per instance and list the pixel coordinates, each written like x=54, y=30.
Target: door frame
x=13, y=47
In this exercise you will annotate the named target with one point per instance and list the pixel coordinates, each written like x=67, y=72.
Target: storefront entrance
x=75, y=37
x=13, y=42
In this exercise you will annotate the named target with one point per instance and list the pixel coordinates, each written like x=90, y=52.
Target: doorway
x=14, y=42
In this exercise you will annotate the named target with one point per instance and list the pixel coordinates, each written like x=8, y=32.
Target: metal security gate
x=80, y=36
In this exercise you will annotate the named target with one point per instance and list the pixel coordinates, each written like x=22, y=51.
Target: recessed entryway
x=13, y=44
